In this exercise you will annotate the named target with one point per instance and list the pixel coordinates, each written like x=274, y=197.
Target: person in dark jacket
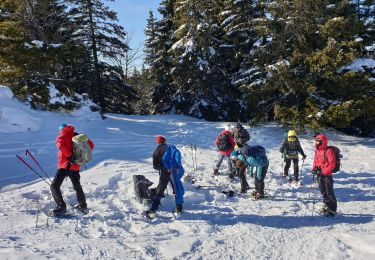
x=240, y=135
x=290, y=149
x=164, y=176
x=67, y=168
x=323, y=166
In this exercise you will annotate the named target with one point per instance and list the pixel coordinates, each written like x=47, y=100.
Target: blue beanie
x=61, y=127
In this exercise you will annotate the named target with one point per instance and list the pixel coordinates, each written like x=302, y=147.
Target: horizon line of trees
x=247, y=60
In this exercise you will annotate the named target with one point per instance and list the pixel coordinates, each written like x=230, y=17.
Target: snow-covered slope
x=212, y=226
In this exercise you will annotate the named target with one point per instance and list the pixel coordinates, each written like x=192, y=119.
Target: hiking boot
x=216, y=171
x=231, y=176
x=254, y=193
x=179, y=208
x=243, y=191
x=60, y=209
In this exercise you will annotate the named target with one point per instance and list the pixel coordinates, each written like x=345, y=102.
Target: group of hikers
x=231, y=144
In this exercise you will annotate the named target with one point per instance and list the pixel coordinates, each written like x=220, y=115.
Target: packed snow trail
x=212, y=226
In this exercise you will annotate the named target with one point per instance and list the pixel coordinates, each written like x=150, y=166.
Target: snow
x=39, y=44
x=212, y=225
x=359, y=65
x=331, y=6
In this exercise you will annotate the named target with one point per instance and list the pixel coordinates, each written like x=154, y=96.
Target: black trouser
x=288, y=162
x=326, y=189
x=164, y=179
x=58, y=180
x=259, y=184
x=242, y=176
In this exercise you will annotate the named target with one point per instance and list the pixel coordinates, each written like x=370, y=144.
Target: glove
x=304, y=156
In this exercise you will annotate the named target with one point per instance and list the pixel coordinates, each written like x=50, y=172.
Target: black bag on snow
x=338, y=156
x=141, y=188
x=224, y=144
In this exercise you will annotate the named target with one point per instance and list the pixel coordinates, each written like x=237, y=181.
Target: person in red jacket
x=225, y=144
x=66, y=168
x=323, y=166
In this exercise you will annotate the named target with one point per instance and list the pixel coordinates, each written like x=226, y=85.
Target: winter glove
x=303, y=156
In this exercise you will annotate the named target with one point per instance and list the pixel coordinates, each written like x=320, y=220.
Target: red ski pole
x=32, y=157
x=19, y=158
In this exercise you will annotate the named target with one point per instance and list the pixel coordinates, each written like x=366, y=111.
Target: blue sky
x=132, y=15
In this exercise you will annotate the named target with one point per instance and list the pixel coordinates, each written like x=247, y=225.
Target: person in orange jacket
x=323, y=166
x=225, y=144
x=67, y=168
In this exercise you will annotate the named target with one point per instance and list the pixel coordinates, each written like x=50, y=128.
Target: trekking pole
x=312, y=212
x=192, y=155
x=195, y=158
x=32, y=157
x=19, y=158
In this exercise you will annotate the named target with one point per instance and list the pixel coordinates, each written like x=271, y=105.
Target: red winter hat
x=159, y=139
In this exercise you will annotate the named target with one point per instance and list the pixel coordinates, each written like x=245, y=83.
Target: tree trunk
x=99, y=85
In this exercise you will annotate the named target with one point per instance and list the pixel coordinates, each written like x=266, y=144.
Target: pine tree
x=161, y=66
x=97, y=29
x=199, y=75
x=34, y=40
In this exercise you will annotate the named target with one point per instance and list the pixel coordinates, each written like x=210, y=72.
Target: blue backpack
x=172, y=160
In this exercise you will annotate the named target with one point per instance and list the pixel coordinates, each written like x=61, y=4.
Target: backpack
x=253, y=151
x=224, y=143
x=82, y=153
x=172, y=159
x=338, y=156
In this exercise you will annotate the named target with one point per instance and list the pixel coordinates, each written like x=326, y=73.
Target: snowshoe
x=229, y=193
x=257, y=196
x=216, y=172
x=59, y=214
x=59, y=210
x=149, y=214
x=82, y=209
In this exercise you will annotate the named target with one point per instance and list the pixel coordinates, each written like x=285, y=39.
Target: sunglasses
x=318, y=142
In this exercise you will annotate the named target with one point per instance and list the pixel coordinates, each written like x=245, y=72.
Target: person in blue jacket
x=167, y=160
x=254, y=158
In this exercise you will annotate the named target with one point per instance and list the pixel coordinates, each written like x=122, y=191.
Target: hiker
x=225, y=144
x=67, y=168
x=240, y=135
x=323, y=167
x=255, y=158
x=167, y=160
x=290, y=149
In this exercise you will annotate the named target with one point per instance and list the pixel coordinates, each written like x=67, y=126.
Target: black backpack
x=254, y=151
x=338, y=156
x=224, y=143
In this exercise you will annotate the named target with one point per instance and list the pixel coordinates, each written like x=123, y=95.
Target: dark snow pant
x=288, y=162
x=164, y=179
x=259, y=183
x=243, y=181
x=74, y=176
x=220, y=160
x=326, y=189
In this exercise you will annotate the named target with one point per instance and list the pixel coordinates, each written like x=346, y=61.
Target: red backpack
x=338, y=156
